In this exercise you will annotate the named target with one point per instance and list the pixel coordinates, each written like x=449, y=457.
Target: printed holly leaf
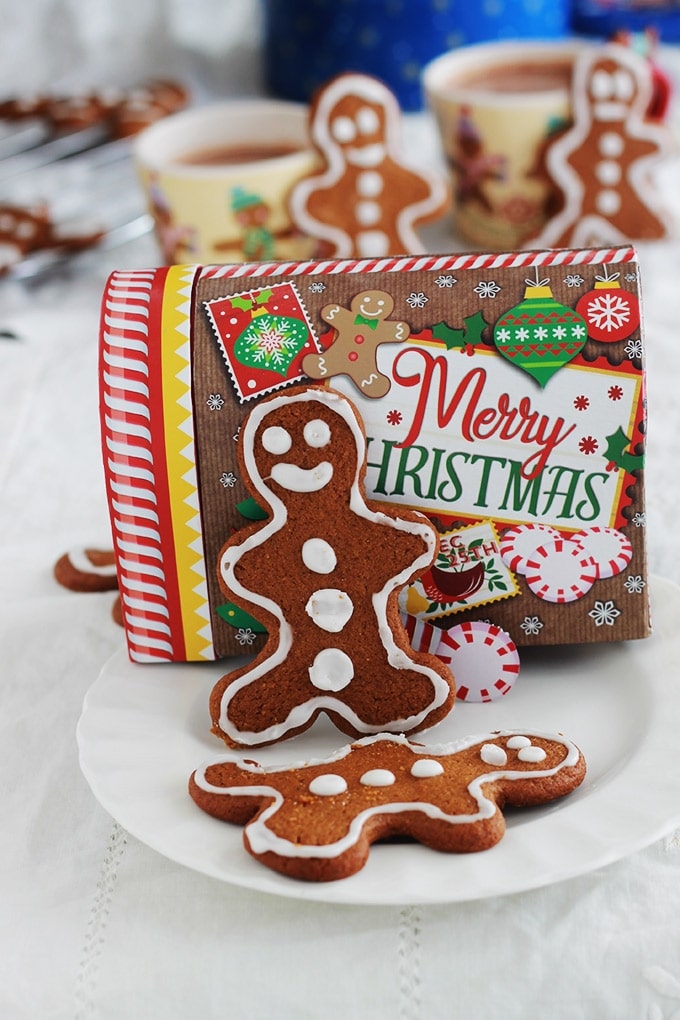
x=470, y=334
x=252, y=510
x=616, y=455
x=239, y=618
x=244, y=303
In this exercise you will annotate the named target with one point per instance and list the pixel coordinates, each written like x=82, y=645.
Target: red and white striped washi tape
x=483, y=658
x=561, y=571
x=422, y=635
x=130, y=467
x=431, y=263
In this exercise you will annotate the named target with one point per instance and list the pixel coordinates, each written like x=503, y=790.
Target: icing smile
x=297, y=479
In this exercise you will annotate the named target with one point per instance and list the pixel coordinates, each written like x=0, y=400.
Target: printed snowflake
x=394, y=417
x=582, y=403
x=245, y=636
x=418, y=300
x=574, y=280
x=634, y=584
x=215, y=402
x=630, y=277
x=559, y=332
x=588, y=444
x=487, y=289
x=639, y=520
x=317, y=288
x=609, y=311
x=446, y=281
x=228, y=479
x=633, y=349
x=531, y=625
x=614, y=392
x=604, y=613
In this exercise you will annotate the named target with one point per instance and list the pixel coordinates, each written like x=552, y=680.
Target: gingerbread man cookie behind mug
x=323, y=574
x=604, y=162
x=360, y=329
x=368, y=199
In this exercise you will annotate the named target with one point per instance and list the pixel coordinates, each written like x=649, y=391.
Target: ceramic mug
x=217, y=178
x=497, y=107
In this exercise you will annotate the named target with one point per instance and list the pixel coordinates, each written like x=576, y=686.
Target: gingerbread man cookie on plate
x=368, y=199
x=603, y=163
x=323, y=574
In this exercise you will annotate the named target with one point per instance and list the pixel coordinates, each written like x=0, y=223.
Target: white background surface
x=93, y=924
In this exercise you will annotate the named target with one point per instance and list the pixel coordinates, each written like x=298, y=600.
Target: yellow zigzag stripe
x=179, y=444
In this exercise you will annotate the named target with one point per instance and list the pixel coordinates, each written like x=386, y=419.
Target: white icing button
x=372, y=243
x=492, y=754
x=319, y=555
x=368, y=213
x=369, y=184
x=331, y=670
x=276, y=440
x=611, y=144
x=531, y=754
x=608, y=202
x=317, y=433
x=608, y=172
x=330, y=609
x=378, y=777
x=515, y=742
x=425, y=768
x=328, y=785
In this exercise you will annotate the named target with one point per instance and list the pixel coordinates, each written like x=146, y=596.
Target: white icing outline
x=300, y=715
x=262, y=840
x=374, y=92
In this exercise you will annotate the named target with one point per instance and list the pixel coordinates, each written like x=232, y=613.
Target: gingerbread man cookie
x=368, y=199
x=603, y=162
x=360, y=330
x=322, y=574
x=317, y=820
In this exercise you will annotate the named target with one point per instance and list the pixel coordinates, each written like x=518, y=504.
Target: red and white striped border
x=129, y=464
x=430, y=263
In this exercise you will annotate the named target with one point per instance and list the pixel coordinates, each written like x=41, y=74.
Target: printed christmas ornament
x=540, y=335
x=611, y=313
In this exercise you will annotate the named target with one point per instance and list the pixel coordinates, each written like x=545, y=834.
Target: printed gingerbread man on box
x=368, y=199
x=323, y=574
x=604, y=161
x=360, y=329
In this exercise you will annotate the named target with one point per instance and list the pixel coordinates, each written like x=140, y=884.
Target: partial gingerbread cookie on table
x=368, y=199
x=87, y=570
x=323, y=574
x=604, y=162
x=317, y=820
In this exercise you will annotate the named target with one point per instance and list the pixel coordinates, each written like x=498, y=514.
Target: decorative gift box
x=502, y=395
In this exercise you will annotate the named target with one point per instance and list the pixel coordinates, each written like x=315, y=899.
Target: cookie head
x=373, y=305
x=303, y=446
x=613, y=90
x=356, y=123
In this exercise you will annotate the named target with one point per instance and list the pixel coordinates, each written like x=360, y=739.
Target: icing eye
x=343, y=129
x=624, y=86
x=602, y=85
x=317, y=433
x=276, y=440
x=368, y=121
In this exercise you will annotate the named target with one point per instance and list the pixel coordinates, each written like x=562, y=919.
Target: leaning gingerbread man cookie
x=323, y=574
x=604, y=162
x=360, y=329
x=368, y=199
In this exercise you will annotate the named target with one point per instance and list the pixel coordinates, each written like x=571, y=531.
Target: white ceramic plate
x=145, y=728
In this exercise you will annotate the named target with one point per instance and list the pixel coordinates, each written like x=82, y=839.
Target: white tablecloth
x=96, y=926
